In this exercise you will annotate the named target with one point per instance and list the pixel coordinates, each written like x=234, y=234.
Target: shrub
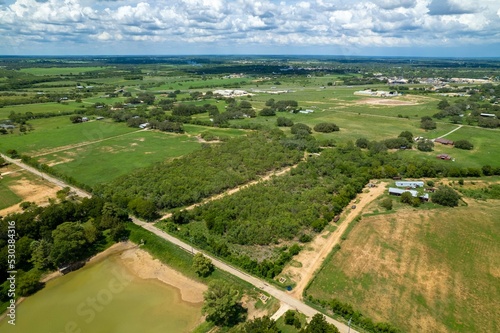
x=326, y=127
x=463, y=144
x=446, y=196
x=284, y=122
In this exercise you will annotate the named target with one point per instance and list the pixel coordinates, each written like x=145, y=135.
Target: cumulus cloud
x=259, y=24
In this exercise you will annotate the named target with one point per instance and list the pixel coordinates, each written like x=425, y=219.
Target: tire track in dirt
x=316, y=252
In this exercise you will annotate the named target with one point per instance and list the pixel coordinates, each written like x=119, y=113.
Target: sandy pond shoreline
x=142, y=265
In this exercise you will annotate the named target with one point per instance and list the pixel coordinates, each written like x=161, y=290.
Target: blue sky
x=449, y=28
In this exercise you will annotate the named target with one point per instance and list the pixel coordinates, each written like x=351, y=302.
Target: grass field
x=38, y=108
x=433, y=270
x=7, y=196
x=103, y=161
x=60, y=70
x=50, y=133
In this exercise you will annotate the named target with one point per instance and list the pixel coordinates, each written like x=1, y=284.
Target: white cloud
x=346, y=23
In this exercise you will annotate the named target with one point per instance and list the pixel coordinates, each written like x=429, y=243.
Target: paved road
x=287, y=299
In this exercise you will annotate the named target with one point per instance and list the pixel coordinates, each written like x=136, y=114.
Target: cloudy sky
x=459, y=28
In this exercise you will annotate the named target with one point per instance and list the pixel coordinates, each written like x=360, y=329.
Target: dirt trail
x=312, y=257
x=236, y=189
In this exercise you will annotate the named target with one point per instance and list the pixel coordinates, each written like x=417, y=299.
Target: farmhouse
x=398, y=192
x=412, y=184
x=444, y=141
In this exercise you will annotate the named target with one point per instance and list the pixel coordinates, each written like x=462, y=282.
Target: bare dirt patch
x=142, y=264
x=33, y=191
x=311, y=258
x=386, y=102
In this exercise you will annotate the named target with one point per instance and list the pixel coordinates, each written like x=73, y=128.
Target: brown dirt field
x=311, y=258
x=38, y=192
x=385, y=102
x=423, y=270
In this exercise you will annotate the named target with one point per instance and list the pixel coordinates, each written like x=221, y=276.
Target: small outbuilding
x=412, y=184
x=444, y=141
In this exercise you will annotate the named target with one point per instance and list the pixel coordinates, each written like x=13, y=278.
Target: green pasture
x=50, y=133
x=486, y=148
x=103, y=161
x=38, y=108
x=7, y=196
x=220, y=132
x=42, y=71
x=440, y=261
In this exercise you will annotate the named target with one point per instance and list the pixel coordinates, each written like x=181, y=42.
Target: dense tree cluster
x=57, y=235
x=222, y=304
x=201, y=174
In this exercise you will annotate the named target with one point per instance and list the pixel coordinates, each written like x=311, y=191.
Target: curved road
x=275, y=292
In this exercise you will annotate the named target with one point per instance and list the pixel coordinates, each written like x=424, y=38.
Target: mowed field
x=435, y=270
x=105, y=160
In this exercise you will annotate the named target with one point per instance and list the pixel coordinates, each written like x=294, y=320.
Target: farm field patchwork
x=422, y=270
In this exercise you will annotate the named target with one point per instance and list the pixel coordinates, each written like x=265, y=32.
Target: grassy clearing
x=55, y=132
x=38, y=108
x=7, y=196
x=104, y=161
x=442, y=262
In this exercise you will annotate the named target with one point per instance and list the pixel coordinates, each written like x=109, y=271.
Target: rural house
x=412, y=184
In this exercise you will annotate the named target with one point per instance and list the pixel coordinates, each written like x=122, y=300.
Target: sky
x=424, y=28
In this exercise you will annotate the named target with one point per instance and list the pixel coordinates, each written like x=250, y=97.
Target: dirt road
x=312, y=257
x=238, y=188
x=285, y=298
x=53, y=180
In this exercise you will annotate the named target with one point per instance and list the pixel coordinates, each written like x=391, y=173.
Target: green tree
x=301, y=129
x=425, y=145
x=362, y=143
x=407, y=135
x=427, y=123
x=443, y=104
x=143, y=208
x=319, y=324
x=259, y=325
x=202, y=265
x=222, y=304
x=407, y=198
x=386, y=203
x=29, y=283
x=446, y=196
x=40, y=252
x=69, y=243
x=463, y=144
x=326, y=127
x=284, y=122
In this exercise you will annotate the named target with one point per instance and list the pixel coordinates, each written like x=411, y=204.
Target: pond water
x=105, y=297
